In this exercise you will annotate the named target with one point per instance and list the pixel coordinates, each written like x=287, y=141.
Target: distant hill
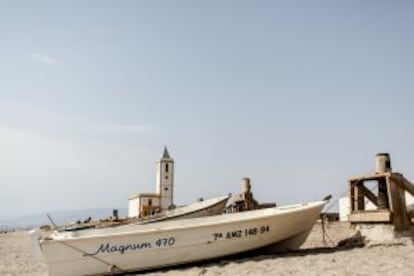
x=59, y=217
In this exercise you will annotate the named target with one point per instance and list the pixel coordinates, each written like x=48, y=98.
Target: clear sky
x=296, y=95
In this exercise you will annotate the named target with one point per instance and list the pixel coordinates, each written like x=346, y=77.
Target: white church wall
x=409, y=199
x=133, y=208
x=344, y=208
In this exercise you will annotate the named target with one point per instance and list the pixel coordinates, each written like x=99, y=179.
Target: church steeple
x=166, y=155
x=165, y=180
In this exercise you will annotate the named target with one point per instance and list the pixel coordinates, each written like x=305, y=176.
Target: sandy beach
x=315, y=258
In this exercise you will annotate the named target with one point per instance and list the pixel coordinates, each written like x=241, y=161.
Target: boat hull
x=209, y=207
x=143, y=247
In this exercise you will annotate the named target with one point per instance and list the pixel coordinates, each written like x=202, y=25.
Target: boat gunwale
x=192, y=223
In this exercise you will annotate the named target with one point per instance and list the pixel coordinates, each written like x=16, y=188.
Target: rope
x=112, y=267
x=324, y=234
x=335, y=202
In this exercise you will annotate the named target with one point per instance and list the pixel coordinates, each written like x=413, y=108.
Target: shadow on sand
x=257, y=256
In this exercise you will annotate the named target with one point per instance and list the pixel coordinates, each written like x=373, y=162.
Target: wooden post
x=356, y=193
x=397, y=200
x=382, y=199
x=359, y=197
x=351, y=197
x=390, y=195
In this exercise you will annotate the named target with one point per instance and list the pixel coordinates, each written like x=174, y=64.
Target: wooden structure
x=389, y=197
x=245, y=200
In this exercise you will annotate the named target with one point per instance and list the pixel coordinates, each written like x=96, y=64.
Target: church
x=146, y=204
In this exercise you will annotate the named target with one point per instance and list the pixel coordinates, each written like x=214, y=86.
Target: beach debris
x=45, y=227
x=202, y=272
x=356, y=240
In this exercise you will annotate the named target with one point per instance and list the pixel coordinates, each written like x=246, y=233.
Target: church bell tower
x=165, y=180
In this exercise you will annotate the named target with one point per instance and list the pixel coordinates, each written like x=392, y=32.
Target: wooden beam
x=370, y=195
x=376, y=216
x=369, y=177
x=404, y=183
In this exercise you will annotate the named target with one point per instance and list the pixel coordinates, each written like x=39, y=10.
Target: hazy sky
x=297, y=95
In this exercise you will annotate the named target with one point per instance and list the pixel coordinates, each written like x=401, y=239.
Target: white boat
x=129, y=248
x=202, y=208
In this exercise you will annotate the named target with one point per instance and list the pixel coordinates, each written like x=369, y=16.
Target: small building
x=146, y=204
x=143, y=205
